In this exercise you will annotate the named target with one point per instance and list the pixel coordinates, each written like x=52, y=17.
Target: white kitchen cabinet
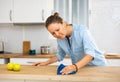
x=2, y=61
x=30, y=61
x=113, y=62
x=6, y=11
x=66, y=61
x=32, y=11
x=27, y=61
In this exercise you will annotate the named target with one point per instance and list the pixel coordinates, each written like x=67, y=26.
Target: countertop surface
x=88, y=73
x=18, y=55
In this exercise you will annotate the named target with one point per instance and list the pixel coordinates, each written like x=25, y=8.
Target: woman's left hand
x=68, y=69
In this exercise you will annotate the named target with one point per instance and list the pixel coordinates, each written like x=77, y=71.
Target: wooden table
x=48, y=74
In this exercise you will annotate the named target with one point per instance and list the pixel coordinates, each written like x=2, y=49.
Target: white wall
x=14, y=35
x=104, y=24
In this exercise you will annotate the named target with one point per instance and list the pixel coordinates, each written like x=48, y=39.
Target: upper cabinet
x=5, y=11
x=31, y=11
x=37, y=11
x=25, y=11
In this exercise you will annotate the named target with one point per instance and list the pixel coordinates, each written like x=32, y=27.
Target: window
x=73, y=11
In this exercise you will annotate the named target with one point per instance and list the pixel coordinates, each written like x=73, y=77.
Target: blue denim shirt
x=81, y=43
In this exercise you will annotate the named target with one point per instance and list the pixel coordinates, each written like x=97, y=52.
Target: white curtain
x=73, y=11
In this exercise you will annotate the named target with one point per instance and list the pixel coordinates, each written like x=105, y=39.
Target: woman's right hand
x=39, y=64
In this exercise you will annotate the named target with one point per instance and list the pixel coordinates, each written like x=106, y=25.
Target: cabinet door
x=5, y=11
x=31, y=11
x=30, y=61
x=2, y=61
x=66, y=61
x=47, y=9
x=27, y=61
x=113, y=62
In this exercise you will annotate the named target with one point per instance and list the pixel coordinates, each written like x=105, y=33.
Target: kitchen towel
x=60, y=67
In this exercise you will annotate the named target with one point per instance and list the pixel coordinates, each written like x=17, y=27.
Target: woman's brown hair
x=53, y=19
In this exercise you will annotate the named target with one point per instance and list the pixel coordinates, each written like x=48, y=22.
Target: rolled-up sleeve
x=60, y=53
x=88, y=42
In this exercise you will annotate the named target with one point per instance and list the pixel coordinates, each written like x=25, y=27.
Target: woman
x=75, y=41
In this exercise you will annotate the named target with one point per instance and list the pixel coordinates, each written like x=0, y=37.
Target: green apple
x=17, y=67
x=10, y=66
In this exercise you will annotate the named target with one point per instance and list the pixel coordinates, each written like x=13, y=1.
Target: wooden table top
x=88, y=73
x=18, y=55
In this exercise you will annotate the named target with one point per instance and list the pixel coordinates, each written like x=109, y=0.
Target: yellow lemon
x=17, y=67
x=10, y=66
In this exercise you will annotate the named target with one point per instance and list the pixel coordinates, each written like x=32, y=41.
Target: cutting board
x=26, y=47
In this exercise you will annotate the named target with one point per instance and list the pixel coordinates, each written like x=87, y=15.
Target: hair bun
x=56, y=14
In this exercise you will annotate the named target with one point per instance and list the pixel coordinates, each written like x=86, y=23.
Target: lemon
x=17, y=67
x=13, y=67
x=10, y=66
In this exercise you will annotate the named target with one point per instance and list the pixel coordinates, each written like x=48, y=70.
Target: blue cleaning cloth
x=60, y=67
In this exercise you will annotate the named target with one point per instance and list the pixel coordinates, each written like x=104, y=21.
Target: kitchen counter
x=48, y=73
x=8, y=56
x=18, y=55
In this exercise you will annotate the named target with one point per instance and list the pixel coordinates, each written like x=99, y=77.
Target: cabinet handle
x=10, y=15
x=30, y=62
x=42, y=15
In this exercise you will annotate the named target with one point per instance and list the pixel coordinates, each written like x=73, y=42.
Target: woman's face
x=58, y=30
